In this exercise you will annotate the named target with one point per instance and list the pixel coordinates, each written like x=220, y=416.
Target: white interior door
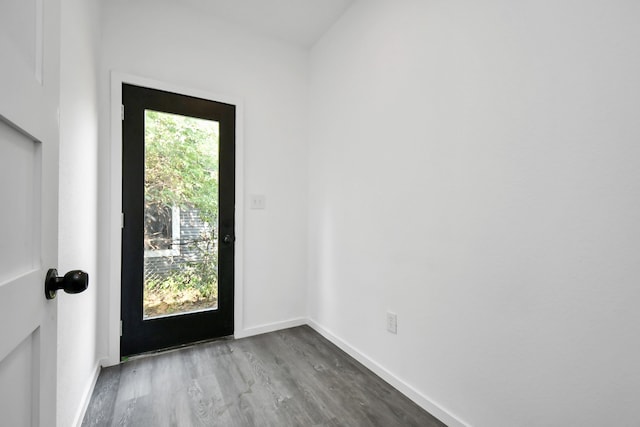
x=29, y=94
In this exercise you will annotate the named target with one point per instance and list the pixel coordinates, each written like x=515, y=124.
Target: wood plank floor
x=293, y=377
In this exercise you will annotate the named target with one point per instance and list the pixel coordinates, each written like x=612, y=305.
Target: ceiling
x=299, y=22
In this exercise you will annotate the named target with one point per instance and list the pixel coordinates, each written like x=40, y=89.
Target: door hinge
x=121, y=219
x=122, y=112
x=121, y=328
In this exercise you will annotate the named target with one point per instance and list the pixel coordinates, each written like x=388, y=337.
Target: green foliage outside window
x=181, y=162
x=181, y=169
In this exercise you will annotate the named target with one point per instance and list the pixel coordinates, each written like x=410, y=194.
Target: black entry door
x=178, y=197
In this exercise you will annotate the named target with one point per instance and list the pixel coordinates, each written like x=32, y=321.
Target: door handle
x=73, y=282
x=228, y=239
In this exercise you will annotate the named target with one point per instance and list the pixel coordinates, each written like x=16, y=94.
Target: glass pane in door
x=180, y=214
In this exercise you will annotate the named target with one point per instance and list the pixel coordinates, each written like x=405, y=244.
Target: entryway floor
x=293, y=377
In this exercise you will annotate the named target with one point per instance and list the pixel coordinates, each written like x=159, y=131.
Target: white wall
x=78, y=205
x=181, y=47
x=474, y=168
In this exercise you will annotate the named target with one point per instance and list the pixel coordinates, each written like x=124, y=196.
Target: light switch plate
x=257, y=201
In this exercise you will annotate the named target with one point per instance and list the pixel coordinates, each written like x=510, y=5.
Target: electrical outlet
x=392, y=322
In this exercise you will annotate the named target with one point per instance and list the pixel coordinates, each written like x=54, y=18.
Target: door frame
x=113, y=273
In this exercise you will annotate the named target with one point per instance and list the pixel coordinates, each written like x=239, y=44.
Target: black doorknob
x=228, y=239
x=73, y=282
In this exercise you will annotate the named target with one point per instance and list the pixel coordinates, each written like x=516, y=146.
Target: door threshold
x=172, y=349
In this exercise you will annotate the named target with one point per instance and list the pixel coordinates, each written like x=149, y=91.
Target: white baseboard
x=270, y=327
x=86, y=396
x=420, y=399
